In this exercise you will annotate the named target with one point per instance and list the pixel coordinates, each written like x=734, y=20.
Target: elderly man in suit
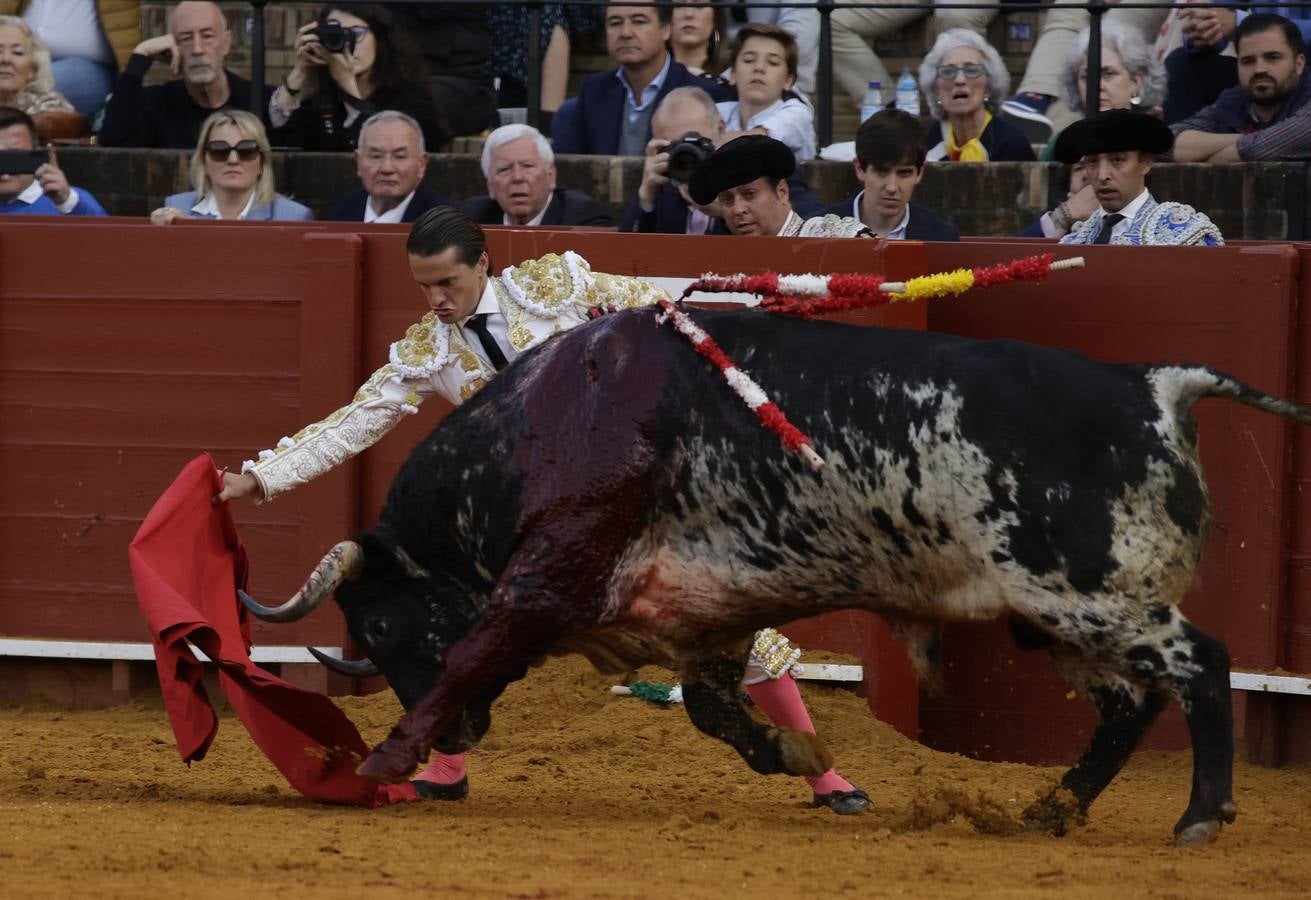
x=890, y=152
x=520, y=170
x=612, y=113
x=390, y=161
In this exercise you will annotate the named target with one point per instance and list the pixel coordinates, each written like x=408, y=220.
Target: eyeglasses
x=971, y=70
x=218, y=151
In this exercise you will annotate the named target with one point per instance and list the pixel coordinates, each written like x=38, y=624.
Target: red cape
x=187, y=563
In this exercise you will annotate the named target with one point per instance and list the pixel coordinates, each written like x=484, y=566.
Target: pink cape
x=187, y=563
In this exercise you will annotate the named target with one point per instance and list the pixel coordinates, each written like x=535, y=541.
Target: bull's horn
x=354, y=668
x=343, y=562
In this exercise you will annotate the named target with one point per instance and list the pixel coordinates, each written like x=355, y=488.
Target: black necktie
x=1108, y=225
x=478, y=325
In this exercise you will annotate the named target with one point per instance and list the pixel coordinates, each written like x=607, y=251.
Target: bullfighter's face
x=1118, y=177
x=451, y=286
x=756, y=208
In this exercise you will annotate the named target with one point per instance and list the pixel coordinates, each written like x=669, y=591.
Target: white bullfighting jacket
x=538, y=298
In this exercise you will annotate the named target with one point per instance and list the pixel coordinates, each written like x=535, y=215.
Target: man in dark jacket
x=520, y=170
x=1268, y=115
x=390, y=161
x=662, y=204
x=612, y=113
x=890, y=151
x=170, y=114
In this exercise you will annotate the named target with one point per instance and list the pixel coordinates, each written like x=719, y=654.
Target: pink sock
x=779, y=699
x=443, y=769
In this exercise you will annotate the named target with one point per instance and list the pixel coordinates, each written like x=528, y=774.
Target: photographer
x=31, y=182
x=663, y=205
x=351, y=62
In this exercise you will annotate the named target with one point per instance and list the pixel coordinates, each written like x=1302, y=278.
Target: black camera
x=685, y=154
x=334, y=37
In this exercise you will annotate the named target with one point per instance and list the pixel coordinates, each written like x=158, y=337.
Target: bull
x=608, y=495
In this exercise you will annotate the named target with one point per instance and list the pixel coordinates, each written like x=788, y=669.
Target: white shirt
x=896, y=234
x=632, y=106
x=787, y=223
x=209, y=206
x=1129, y=211
x=535, y=220
x=393, y=216
x=497, y=326
x=69, y=28
x=789, y=120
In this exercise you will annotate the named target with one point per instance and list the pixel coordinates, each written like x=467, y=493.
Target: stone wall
x=1253, y=200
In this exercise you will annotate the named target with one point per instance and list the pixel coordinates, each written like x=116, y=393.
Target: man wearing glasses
x=170, y=114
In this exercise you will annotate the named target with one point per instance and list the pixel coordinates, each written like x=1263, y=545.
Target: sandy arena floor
x=580, y=794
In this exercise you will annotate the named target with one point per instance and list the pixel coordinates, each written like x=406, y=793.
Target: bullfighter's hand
x=54, y=184
x=236, y=486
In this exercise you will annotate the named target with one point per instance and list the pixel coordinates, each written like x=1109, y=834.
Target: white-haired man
x=390, y=161
x=170, y=114
x=519, y=166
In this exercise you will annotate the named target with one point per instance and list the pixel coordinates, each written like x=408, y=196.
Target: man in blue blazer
x=390, y=161
x=890, y=152
x=662, y=205
x=612, y=113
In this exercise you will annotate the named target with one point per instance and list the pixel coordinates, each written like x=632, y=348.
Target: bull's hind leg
x=710, y=695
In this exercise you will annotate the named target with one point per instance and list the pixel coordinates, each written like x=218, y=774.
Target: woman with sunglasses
x=365, y=67
x=233, y=175
x=964, y=79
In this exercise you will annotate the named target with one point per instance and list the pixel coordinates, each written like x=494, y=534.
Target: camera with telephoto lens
x=685, y=154
x=334, y=37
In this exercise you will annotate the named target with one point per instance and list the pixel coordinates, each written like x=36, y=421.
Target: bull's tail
x=1179, y=387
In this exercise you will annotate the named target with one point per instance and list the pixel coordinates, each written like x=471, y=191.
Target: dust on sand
x=576, y=793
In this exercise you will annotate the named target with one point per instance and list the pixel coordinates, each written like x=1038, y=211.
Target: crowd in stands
x=692, y=89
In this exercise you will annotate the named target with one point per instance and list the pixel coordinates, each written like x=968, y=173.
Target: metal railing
x=1096, y=10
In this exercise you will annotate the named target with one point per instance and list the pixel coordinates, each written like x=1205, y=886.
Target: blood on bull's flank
x=629, y=508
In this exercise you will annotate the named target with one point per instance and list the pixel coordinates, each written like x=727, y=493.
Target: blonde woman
x=25, y=79
x=232, y=170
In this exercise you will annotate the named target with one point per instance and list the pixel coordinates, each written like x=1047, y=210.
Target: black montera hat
x=1111, y=131
x=740, y=161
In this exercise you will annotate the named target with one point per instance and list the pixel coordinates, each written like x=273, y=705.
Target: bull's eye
x=377, y=631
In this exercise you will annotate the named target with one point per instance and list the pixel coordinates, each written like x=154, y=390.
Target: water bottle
x=908, y=93
x=873, y=101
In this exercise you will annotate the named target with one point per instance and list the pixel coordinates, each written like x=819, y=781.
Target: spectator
x=764, y=65
x=613, y=109
x=25, y=79
x=1116, y=148
x=961, y=77
x=662, y=204
x=1132, y=77
x=801, y=22
x=1267, y=116
x=855, y=64
x=89, y=41
x=1200, y=60
x=696, y=35
x=171, y=114
x=390, y=162
x=747, y=179
x=520, y=171
x=890, y=154
x=456, y=43
x=331, y=90
x=45, y=192
x=232, y=171
x=509, y=24
x=1032, y=108
x=1080, y=202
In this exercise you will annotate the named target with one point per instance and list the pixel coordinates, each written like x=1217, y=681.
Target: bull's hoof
x=1055, y=814
x=844, y=803
x=1197, y=834
x=803, y=753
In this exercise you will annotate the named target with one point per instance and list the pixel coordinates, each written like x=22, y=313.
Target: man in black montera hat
x=1117, y=148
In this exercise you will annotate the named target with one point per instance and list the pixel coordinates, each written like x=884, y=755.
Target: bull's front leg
x=710, y=695
x=526, y=615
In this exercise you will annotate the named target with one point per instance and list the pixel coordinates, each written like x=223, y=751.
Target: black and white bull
x=609, y=495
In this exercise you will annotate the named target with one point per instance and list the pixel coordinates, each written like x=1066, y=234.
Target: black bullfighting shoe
x=844, y=803
x=458, y=790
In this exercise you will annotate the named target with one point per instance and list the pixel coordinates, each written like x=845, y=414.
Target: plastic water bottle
x=873, y=101
x=908, y=93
